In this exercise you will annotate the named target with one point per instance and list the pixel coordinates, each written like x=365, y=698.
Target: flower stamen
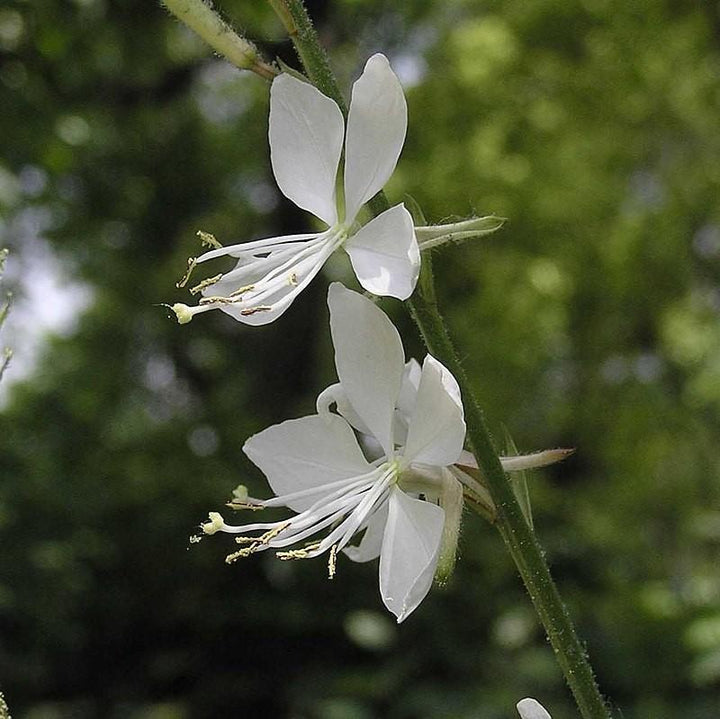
x=209, y=240
x=205, y=283
x=332, y=561
x=304, y=553
x=192, y=263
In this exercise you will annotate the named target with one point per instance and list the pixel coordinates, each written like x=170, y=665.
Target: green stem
x=200, y=17
x=514, y=529
x=297, y=22
x=519, y=538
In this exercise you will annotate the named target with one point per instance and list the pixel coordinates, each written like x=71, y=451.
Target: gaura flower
x=532, y=709
x=465, y=470
x=316, y=466
x=307, y=133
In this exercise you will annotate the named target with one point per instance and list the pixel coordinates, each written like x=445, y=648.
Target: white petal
x=306, y=453
x=276, y=280
x=376, y=128
x=306, y=137
x=411, y=382
x=385, y=254
x=369, y=360
x=437, y=427
x=371, y=543
x=406, y=400
x=532, y=709
x=409, y=554
x=335, y=394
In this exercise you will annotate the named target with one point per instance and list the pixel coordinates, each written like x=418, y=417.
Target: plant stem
x=514, y=529
x=519, y=538
x=200, y=17
x=297, y=22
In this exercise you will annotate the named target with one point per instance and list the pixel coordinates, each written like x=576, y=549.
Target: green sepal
x=415, y=210
x=284, y=67
x=518, y=481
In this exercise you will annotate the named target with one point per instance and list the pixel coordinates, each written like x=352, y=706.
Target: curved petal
x=306, y=453
x=408, y=393
x=306, y=137
x=437, y=426
x=335, y=394
x=406, y=400
x=369, y=360
x=371, y=543
x=409, y=554
x=385, y=254
x=376, y=128
x=531, y=709
x=260, y=289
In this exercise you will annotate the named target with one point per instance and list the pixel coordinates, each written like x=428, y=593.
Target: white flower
x=531, y=709
x=307, y=134
x=317, y=468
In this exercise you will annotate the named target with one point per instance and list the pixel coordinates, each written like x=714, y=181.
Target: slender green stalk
x=200, y=17
x=519, y=538
x=514, y=529
x=294, y=16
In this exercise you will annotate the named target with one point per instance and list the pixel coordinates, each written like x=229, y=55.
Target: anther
x=332, y=561
x=244, y=505
x=253, y=310
x=205, y=283
x=208, y=240
x=192, y=261
x=241, y=553
x=303, y=553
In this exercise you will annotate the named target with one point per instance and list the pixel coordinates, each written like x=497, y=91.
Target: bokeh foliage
x=590, y=321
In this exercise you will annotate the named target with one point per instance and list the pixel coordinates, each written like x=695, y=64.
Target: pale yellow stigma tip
x=215, y=524
x=183, y=313
x=240, y=494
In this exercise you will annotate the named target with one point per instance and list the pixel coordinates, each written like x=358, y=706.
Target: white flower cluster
x=380, y=470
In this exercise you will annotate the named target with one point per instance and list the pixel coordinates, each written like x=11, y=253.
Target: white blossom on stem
x=307, y=134
x=316, y=466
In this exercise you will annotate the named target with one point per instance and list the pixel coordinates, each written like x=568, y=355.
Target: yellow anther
x=292, y=554
x=303, y=553
x=253, y=310
x=205, y=283
x=293, y=280
x=241, y=553
x=192, y=261
x=264, y=538
x=208, y=240
x=332, y=561
x=215, y=524
x=244, y=505
x=242, y=290
x=195, y=538
x=217, y=300
x=240, y=500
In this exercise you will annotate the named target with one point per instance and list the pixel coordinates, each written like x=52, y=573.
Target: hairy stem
x=519, y=538
x=200, y=17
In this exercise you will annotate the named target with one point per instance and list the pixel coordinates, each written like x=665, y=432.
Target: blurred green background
x=590, y=321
